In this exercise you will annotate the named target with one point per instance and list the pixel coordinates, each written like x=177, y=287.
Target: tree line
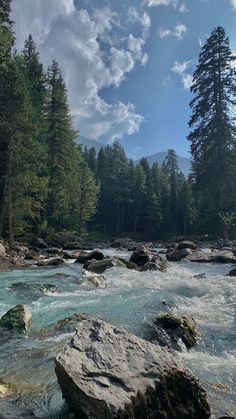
x=45, y=182
x=48, y=182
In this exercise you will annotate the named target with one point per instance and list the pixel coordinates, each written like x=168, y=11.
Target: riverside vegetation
x=52, y=192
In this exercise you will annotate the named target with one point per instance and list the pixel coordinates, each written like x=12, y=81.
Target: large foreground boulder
x=107, y=373
x=18, y=319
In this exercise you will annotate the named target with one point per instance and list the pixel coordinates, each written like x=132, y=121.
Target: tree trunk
x=10, y=206
x=2, y=200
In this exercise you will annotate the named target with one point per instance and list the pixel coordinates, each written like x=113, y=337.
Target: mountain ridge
x=184, y=163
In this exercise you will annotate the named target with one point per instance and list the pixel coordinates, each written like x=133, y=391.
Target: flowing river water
x=129, y=299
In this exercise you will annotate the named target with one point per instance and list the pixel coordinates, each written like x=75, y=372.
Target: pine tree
x=60, y=140
x=6, y=44
x=36, y=84
x=212, y=128
x=171, y=170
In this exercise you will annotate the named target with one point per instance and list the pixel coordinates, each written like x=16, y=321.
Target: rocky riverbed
x=128, y=296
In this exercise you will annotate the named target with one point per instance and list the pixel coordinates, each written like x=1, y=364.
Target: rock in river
x=18, y=319
x=176, y=327
x=84, y=257
x=101, y=266
x=107, y=373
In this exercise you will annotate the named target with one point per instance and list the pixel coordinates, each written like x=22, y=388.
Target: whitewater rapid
x=129, y=299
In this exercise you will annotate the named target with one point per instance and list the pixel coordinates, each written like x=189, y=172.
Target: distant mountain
x=183, y=162
x=89, y=143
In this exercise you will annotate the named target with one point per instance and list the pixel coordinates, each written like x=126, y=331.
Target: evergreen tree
x=212, y=128
x=171, y=170
x=6, y=67
x=60, y=140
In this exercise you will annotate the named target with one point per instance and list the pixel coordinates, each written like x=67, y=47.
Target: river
x=130, y=299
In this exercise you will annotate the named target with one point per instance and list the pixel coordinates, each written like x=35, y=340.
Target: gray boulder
x=57, y=261
x=84, y=257
x=215, y=256
x=186, y=244
x=99, y=267
x=107, y=373
x=175, y=255
x=18, y=319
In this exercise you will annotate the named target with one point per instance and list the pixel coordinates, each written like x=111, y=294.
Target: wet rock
x=51, y=262
x=200, y=276
x=127, y=263
x=106, y=372
x=95, y=255
x=123, y=243
x=68, y=324
x=39, y=243
x=213, y=256
x=101, y=266
x=187, y=245
x=18, y=319
x=178, y=327
x=175, y=255
x=97, y=281
x=140, y=257
x=232, y=272
x=69, y=255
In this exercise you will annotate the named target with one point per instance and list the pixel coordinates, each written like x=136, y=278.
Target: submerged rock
x=31, y=288
x=107, y=373
x=177, y=327
x=84, y=257
x=18, y=319
x=101, y=266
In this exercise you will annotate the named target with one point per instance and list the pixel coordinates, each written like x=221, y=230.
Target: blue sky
x=127, y=65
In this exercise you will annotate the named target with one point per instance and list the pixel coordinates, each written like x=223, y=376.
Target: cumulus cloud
x=233, y=3
x=178, y=32
x=93, y=56
x=181, y=69
x=183, y=8
x=151, y=3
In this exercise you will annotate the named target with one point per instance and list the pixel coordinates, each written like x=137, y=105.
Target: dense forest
x=49, y=183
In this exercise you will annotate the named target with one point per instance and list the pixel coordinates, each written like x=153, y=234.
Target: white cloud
x=92, y=56
x=151, y=3
x=183, y=8
x=178, y=32
x=233, y=3
x=181, y=69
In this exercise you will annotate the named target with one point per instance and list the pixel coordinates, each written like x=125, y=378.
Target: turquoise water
x=129, y=299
